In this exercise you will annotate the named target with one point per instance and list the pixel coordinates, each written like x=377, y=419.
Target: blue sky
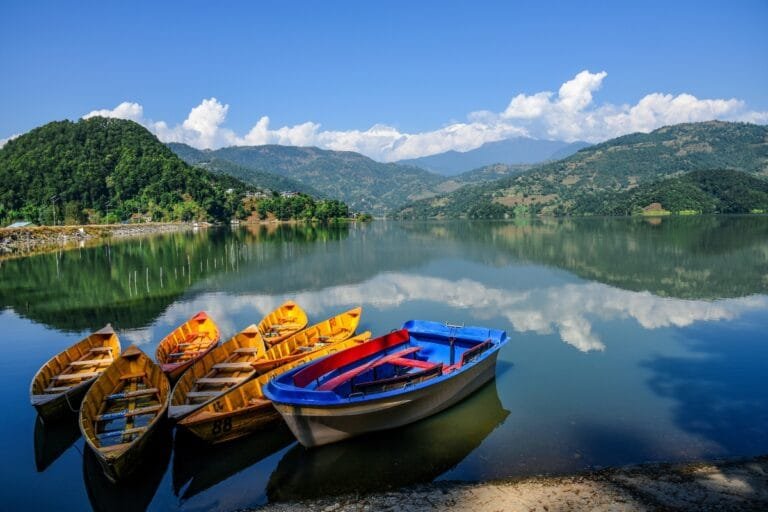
x=429, y=76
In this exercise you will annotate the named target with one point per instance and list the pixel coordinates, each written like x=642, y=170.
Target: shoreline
x=27, y=241
x=738, y=484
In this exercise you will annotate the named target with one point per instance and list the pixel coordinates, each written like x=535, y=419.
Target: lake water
x=632, y=340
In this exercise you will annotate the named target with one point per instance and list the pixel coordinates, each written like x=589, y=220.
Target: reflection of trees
x=690, y=258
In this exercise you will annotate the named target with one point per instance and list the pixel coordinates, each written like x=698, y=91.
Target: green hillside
x=697, y=191
x=81, y=171
x=565, y=187
x=364, y=184
x=258, y=178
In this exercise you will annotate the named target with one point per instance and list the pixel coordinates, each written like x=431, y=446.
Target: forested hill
x=566, y=186
x=252, y=176
x=364, y=184
x=95, y=166
x=694, y=192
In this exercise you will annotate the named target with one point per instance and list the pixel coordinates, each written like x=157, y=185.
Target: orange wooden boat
x=60, y=384
x=283, y=322
x=186, y=344
x=244, y=409
x=320, y=335
x=230, y=363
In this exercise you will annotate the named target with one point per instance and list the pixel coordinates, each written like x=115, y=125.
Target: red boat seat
x=337, y=381
x=413, y=363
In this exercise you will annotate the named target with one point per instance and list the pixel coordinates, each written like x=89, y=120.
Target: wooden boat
x=186, y=344
x=283, y=323
x=388, y=382
x=318, y=336
x=59, y=385
x=230, y=364
x=243, y=409
x=122, y=409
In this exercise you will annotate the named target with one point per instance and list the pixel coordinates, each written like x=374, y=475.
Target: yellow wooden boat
x=320, y=335
x=186, y=344
x=283, y=322
x=230, y=364
x=59, y=385
x=243, y=409
x=122, y=409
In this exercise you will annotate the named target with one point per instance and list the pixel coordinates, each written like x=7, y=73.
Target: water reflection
x=53, y=438
x=135, y=492
x=198, y=466
x=413, y=454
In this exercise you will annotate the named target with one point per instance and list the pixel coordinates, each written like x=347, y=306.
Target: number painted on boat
x=222, y=426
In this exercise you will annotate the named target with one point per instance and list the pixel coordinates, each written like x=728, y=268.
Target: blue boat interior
x=418, y=352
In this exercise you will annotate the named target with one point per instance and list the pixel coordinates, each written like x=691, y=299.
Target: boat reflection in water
x=54, y=438
x=198, y=466
x=135, y=492
x=416, y=453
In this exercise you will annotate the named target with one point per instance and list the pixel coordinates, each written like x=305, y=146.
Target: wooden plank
x=92, y=362
x=101, y=349
x=202, y=394
x=233, y=366
x=347, y=376
x=126, y=413
x=221, y=380
x=131, y=376
x=126, y=432
x=190, y=353
x=59, y=389
x=247, y=350
x=77, y=376
x=132, y=394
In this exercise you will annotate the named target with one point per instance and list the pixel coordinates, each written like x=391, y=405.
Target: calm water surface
x=631, y=341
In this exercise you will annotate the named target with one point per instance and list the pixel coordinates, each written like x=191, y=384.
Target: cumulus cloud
x=569, y=114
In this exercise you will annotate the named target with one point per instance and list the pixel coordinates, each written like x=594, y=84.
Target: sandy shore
x=734, y=485
x=16, y=242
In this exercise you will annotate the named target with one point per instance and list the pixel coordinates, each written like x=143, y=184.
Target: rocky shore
x=24, y=241
x=723, y=486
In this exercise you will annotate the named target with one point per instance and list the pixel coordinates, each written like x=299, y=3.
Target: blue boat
x=387, y=382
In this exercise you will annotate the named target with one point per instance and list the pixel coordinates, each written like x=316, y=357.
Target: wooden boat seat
x=188, y=353
x=202, y=394
x=383, y=384
x=120, y=433
x=133, y=394
x=92, y=362
x=100, y=350
x=258, y=401
x=59, y=389
x=131, y=376
x=77, y=376
x=127, y=414
x=413, y=363
x=233, y=366
x=337, y=381
x=221, y=380
x=246, y=350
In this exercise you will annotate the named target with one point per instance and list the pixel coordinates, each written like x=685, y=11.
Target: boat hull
x=118, y=468
x=51, y=407
x=315, y=426
x=221, y=428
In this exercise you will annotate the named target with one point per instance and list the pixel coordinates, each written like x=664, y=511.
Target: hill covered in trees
x=83, y=171
x=569, y=186
x=697, y=191
x=364, y=184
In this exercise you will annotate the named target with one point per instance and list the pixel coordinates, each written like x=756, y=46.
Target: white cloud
x=4, y=141
x=570, y=114
x=566, y=310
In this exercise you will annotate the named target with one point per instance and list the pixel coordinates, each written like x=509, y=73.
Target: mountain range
x=585, y=182
x=517, y=150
